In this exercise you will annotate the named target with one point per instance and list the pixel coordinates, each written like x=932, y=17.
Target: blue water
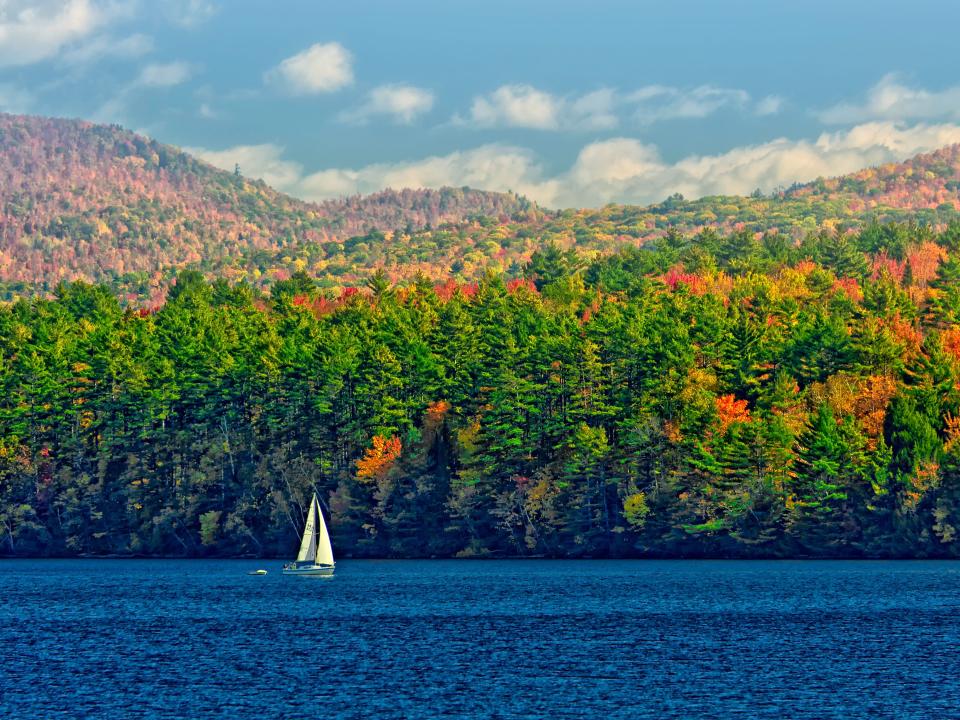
x=424, y=639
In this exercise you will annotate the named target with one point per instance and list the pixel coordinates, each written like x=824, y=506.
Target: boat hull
x=310, y=570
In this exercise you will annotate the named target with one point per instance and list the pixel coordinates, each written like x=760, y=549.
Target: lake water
x=424, y=639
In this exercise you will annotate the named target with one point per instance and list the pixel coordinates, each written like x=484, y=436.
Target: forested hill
x=96, y=202
x=722, y=395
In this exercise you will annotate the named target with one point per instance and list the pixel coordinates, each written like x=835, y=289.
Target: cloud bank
x=622, y=170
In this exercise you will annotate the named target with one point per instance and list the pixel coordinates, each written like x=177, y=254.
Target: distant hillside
x=923, y=189
x=79, y=200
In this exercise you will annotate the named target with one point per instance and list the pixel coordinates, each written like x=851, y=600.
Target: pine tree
x=943, y=308
x=818, y=492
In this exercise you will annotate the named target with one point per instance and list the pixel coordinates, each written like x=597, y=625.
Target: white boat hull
x=322, y=570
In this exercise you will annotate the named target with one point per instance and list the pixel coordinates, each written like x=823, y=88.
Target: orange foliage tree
x=380, y=457
x=730, y=411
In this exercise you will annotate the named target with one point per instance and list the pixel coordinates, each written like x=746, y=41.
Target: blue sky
x=571, y=103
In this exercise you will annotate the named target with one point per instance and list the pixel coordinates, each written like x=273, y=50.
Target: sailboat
x=316, y=554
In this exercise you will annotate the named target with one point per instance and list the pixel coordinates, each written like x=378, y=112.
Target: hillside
x=923, y=189
x=79, y=200
x=752, y=385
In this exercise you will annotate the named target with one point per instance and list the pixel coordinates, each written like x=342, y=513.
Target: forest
x=705, y=395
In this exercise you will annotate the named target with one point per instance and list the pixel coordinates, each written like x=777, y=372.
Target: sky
x=573, y=104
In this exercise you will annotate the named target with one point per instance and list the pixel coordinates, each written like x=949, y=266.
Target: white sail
x=324, y=549
x=308, y=545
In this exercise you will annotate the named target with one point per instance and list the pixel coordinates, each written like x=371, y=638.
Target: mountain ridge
x=80, y=200
x=95, y=202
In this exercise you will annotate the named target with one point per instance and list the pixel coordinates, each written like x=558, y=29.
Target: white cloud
x=770, y=105
x=15, y=100
x=517, y=106
x=616, y=170
x=163, y=74
x=401, y=102
x=106, y=46
x=190, y=13
x=323, y=67
x=32, y=31
x=889, y=99
x=524, y=106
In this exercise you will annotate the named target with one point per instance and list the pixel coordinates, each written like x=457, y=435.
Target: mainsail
x=308, y=545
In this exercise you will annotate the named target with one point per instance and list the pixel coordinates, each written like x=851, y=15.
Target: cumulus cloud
x=36, y=30
x=890, y=99
x=615, y=170
x=323, y=67
x=517, y=106
x=403, y=103
x=524, y=106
